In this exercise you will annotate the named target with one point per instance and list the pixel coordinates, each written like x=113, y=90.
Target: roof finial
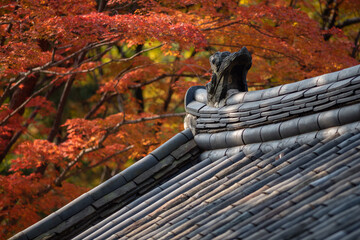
x=229, y=72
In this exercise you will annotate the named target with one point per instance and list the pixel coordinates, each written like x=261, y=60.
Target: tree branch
x=138, y=85
x=26, y=101
x=145, y=119
x=63, y=100
x=348, y=22
x=100, y=65
x=356, y=45
x=100, y=162
x=105, y=97
x=267, y=49
x=19, y=133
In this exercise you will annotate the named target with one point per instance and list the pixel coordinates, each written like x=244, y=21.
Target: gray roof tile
x=232, y=126
x=75, y=206
x=230, y=108
x=355, y=80
x=194, y=106
x=208, y=109
x=342, y=95
x=324, y=106
x=40, y=227
x=207, y=120
x=289, y=128
x=272, y=112
x=327, y=78
x=249, y=106
x=152, y=171
x=271, y=101
x=203, y=140
x=340, y=84
x=236, y=98
x=289, y=88
x=114, y=194
x=256, y=121
x=292, y=108
x=271, y=92
x=308, y=124
x=316, y=90
x=349, y=114
x=308, y=83
x=251, y=135
x=73, y=220
x=301, y=110
x=281, y=105
x=190, y=94
x=292, y=96
x=218, y=140
x=235, y=114
x=349, y=72
x=253, y=96
x=187, y=133
x=269, y=133
x=200, y=95
x=229, y=120
x=348, y=99
x=352, y=87
x=251, y=117
x=278, y=116
x=140, y=166
x=215, y=125
x=305, y=100
x=234, y=138
x=316, y=102
x=255, y=111
x=329, y=119
x=330, y=94
x=110, y=185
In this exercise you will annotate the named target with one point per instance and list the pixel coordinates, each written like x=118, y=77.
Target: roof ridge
x=270, y=106
x=288, y=88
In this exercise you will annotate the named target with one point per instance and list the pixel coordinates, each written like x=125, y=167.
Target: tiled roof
x=280, y=163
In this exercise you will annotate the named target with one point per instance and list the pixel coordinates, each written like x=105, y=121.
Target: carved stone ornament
x=229, y=72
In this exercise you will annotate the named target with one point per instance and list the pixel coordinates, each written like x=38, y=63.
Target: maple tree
x=89, y=87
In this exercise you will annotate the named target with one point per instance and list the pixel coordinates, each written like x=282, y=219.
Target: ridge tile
x=289, y=88
x=328, y=78
x=252, y=96
x=307, y=83
x=271, y=92
x=349, y=72
x=236, y=98
x=271, y=101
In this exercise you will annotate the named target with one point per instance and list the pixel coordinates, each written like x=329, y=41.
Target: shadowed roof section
x=280, y=163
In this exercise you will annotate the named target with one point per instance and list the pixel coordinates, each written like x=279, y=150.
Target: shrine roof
x=279, y=163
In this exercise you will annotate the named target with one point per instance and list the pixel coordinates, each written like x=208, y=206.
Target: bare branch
x=348, y=22
x=356, y=45
x=105, y=97
x=100, y=65
x=145, y=119
x=162, y=77
x=53, y=54
x=107, y=158
x=253, y=26
x=23, y=75
x=264, y=48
